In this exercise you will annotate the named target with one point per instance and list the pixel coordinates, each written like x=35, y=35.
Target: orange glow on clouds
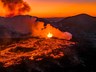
x=48, y=31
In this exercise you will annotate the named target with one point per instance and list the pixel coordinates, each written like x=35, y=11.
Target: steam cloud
x=15, y=7
x=39, y=30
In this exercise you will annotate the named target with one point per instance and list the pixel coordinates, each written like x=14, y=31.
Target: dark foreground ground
x=47, y=55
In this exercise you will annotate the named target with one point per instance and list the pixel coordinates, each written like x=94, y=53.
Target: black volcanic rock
x=5, y=35
x=44, y=20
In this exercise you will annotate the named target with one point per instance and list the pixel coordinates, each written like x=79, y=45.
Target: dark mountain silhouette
x=44, y=20
x=82, y=22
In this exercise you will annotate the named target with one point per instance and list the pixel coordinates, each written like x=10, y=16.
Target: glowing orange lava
x=34, y=49
x=49, y=35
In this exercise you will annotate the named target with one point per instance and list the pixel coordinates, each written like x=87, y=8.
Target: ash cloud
x=15, y=7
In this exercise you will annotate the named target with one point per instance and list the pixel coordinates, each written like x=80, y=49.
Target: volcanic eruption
x=34, y=44
x=48, y=31
x=47, y=45
x=51, y=43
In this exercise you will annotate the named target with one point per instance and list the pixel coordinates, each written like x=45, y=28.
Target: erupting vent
x=50, y=35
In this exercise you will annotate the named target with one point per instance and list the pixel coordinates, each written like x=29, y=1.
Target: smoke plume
x=39, y=30
x=15, y=7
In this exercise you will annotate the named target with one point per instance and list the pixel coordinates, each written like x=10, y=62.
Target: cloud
x=15, y=7
x=41, y=31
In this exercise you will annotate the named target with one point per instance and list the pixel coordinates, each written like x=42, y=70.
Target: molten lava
x=34, y=49
x=49, y=35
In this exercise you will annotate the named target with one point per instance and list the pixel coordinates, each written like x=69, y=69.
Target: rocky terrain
x=47, y=55
x=34, y=50
x=21, y=53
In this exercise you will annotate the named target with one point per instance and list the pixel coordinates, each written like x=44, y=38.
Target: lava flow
x=34, y=49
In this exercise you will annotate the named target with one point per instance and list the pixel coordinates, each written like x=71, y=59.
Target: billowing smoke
x=39, y=30
x=15, y=7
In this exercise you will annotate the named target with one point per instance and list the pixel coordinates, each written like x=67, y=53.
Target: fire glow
x=50, y=35
x=41, y=31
